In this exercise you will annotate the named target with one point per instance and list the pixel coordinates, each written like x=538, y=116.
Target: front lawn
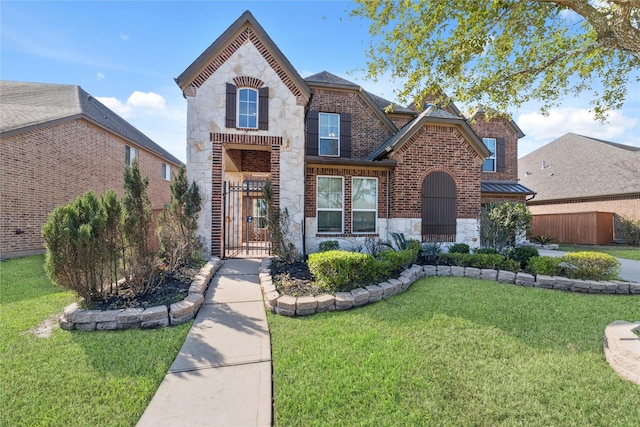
x=72, y=378
x=455, y=351
x=620, y=251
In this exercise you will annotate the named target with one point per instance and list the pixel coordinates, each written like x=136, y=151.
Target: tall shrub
x=178, y=224
x=278, y=223
x=77, y=255
x=501, y=223
x=141, y=271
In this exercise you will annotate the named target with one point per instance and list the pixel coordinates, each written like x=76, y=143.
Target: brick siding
x=368, y=131
x=51, y=166
x=435, y=148
x=499, y=128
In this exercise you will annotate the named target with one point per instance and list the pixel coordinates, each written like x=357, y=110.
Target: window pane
x=330, y=221
x=489, y=165
x=491, y=144
x=328, y=147
x=364, y=193
x=248, y=108
x=329, y=193
x=364, y=222
x=329, y=125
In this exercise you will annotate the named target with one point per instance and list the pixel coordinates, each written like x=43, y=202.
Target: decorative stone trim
x=300, y=306
x=622, y=349
x=75, y=317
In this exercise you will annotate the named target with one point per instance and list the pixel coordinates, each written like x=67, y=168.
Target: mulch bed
x=294, y=279
x=170, y=288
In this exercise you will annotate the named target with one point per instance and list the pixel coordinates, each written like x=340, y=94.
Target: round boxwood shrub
x=523, y=254
x=459, y=248
x=341, y=270
x=549, y=266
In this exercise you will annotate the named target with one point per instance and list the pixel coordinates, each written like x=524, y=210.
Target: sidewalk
x=629, y=269
x=222, y=375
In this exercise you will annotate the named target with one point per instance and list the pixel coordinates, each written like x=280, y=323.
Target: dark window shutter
x=263, y=109
x=345, y=135
x=439, y=207
x=500, y=155
x=312, y=133
x=230, y=114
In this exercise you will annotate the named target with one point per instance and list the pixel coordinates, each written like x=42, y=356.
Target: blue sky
x=127, y=54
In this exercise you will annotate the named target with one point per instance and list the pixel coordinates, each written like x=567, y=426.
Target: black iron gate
x=245, y=220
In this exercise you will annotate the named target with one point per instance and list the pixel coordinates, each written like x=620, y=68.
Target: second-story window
x=248, y=108
x=489, y=164
x=329, y=132
x=130, y=154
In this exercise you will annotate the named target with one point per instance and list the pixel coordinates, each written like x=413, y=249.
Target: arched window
x=248, y=108
x=439, y=208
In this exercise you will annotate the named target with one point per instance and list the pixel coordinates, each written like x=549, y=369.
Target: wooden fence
x=588, y=228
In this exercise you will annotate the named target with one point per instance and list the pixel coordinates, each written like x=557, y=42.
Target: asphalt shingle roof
x=576, y=166
x=25, y=106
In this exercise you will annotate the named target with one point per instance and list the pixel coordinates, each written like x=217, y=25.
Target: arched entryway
x=438, y=208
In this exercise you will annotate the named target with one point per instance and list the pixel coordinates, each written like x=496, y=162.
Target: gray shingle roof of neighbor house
x=435, y=115
x=28, y=106
x=576, y=166
x=247, y=18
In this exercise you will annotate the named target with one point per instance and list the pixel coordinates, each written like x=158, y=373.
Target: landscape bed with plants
x=100, y=247
x=333, y=270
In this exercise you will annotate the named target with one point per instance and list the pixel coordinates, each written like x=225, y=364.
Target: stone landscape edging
x=288, y=305
x=74, y=317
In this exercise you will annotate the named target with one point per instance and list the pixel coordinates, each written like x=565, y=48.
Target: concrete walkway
x=222, y=375
x=629, y=269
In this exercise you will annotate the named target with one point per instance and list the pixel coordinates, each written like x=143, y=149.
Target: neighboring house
x=577, y=173
x=343, y=167
x=57, y=143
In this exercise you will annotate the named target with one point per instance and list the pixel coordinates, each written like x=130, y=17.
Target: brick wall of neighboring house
x=367, y=129
x=499, y=128
x=435, y=148
x=310, y=196
x=488, y=198
x=49, y=167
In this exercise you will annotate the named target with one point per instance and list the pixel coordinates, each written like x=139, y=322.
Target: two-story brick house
x=343, y=166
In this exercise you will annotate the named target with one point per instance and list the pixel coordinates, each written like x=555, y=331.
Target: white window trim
x=492, y=156
x=320, y=137
x=133, y=154
x=166, y=176
x=257, y=92
x=330, y=209
x=375, y=210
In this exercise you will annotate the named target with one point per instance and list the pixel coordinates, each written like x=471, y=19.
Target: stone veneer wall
x=75, y=317
x=206, y=116
x=288, y=305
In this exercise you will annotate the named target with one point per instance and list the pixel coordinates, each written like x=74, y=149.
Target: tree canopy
x=504, y=53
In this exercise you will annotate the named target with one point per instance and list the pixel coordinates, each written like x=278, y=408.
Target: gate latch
x=249, y=218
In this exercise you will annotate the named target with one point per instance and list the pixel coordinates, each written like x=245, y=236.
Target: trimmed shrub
x=390, y=262
x=459, y=248
x=510, y=265
x=329, y=245
x=489, y=251
x=547, y=265
x=341, y=270
x=523, y=254
x=590, y=265
x=493, y=261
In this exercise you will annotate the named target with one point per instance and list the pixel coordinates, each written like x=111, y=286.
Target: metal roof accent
x=500, y=187
x=29, y=106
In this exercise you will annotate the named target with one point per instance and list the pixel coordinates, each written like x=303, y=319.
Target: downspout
x=533, y=196
x=387, y=232
x=304, y=175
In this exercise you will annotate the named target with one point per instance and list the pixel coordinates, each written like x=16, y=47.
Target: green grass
x=620, y=251
x=75, y=378
x=455, y=351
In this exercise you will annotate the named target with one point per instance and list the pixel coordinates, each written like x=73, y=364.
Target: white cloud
x=100, y=76
x=116, y=106
x=124, y=37
x=540, y=130
x=138, y=104
x=145, y=100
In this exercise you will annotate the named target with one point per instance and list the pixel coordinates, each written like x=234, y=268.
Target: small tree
x=138, y=215
x=178, y=224
x=77, y=253
x=278, y=223
x=501, y=223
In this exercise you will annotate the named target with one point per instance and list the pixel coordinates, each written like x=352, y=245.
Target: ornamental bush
x=590, y=265
x=547, y=265
x=339, y=270
x=390, y=262
x=523, y=254
x=459, y=248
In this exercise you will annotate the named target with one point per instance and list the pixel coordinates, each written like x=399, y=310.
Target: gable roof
x=481, y=111
x=325, y=79
x=246, y=27
x=576, y=166
x=430, y=115
x=29, y=106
